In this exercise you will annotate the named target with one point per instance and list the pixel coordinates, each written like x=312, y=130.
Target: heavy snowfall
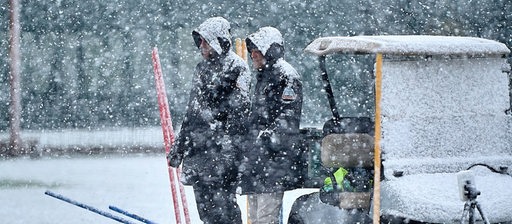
x=90, y=119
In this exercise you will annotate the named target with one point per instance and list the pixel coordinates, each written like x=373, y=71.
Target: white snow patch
x=403, y=44
x=421, y=195
x=135, y=183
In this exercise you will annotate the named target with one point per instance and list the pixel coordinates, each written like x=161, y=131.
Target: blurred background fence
x=83, y=141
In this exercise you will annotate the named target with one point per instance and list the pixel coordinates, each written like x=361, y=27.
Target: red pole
x=168, y=132
x=170, y=140
x=15, y=90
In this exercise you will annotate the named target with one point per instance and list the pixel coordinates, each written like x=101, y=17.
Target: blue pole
x=90, y=208
x=131, y=215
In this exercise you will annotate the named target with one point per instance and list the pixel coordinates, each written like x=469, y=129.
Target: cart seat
x=351, y=150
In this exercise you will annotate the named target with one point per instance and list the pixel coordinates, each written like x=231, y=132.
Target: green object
x=341, y=182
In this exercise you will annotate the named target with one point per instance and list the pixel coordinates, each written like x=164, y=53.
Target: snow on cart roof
x=407, y=45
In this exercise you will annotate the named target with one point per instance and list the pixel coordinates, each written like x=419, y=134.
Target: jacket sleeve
x=229, y=99
x=285, y=112
x=221, y=95
x=181, y=144
x=290, y=107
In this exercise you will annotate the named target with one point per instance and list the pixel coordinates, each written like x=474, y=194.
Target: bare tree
x=15, y=90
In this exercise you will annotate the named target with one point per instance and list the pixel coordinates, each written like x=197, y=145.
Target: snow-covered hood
x=264, y=38
x=214, y=30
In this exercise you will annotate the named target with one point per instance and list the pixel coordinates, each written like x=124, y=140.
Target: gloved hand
x=174, y=158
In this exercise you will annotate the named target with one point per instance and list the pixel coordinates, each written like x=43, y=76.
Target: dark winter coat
x=215, y=118
x=271, y=156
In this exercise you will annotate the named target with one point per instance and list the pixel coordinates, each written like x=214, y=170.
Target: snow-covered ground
x=137, y=183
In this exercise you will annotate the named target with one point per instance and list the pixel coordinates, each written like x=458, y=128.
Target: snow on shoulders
x=287, y=69
x=243, y=81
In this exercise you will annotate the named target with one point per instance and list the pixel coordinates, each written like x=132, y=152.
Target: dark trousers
x=216, y=203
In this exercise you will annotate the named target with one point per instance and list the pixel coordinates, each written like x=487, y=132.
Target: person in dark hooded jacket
x=272, y=155
x=210, y=135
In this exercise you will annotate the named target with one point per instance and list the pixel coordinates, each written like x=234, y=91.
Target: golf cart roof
x=407, y=45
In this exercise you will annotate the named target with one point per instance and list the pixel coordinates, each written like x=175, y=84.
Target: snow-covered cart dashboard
x=442, y=105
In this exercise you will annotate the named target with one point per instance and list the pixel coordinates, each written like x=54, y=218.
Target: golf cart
x=436, y=109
